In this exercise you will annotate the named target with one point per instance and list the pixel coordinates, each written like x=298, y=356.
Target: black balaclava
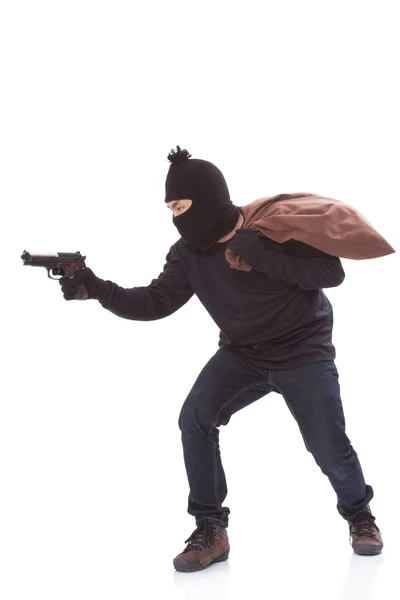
x=212, y=214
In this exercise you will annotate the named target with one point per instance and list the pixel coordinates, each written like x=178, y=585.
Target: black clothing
x=279, y=317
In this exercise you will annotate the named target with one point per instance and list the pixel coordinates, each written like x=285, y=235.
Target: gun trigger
x=50, y=277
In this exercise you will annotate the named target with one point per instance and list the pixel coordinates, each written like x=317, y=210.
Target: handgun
x=64, y=264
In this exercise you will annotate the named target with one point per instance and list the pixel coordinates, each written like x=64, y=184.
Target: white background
x=283, y=97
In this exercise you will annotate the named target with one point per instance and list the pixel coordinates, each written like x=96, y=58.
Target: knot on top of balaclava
x=178, y=156
x=212, y=214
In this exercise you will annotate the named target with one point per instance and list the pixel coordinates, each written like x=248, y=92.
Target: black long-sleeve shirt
x=277, y=314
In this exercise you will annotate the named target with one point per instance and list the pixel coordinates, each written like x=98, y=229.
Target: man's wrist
x=102, y=291
x=266, y=262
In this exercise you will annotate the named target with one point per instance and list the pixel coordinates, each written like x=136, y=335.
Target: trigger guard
x=55, y=272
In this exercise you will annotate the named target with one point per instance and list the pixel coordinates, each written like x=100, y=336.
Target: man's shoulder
x=179, y=249
x=179, y=246
x=182, y=247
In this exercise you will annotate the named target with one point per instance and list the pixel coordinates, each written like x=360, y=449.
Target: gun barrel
x=50, y=260
x=36, y=259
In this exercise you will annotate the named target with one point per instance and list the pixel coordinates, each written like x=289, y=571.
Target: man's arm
x=302, y=265
x=165, y=295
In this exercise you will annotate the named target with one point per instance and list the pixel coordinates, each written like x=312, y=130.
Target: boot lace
x=201, y=538
x=363, y=524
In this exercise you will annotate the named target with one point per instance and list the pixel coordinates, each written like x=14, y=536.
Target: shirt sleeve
x=301, y=265
x=165, y=295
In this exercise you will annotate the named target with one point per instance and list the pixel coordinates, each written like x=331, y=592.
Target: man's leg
x=312, y=393
x=225, y=385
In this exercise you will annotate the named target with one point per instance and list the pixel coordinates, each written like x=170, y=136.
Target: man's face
x=179, y=206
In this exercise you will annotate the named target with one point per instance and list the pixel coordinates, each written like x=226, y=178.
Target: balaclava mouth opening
x=212, y=214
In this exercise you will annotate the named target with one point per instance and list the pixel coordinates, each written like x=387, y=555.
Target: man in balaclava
x=275, y=336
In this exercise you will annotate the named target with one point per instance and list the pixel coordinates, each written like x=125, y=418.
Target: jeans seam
x=247, y=387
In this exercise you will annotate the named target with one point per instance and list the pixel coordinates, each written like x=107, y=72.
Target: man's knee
x=193, y=419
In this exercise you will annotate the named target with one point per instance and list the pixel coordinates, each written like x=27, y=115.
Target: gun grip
x=82, y=293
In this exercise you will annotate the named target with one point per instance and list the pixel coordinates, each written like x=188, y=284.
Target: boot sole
x=367, y=550
x=187, y=566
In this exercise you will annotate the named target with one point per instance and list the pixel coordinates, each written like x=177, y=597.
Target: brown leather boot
x=365, y=537
x=208, y=544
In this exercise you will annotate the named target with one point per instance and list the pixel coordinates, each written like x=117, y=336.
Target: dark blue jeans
x=228, y=383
